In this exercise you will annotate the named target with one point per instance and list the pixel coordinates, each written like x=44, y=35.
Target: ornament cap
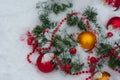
x=102, y=75
x=110, y=27
x=48, y=57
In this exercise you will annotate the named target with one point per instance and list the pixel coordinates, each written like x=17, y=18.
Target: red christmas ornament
x=46, y=66
x=45, y=31
x=73, y=50
x=93, y=60
x=109, y=34
x=114, y=23
x=114, y=3
x=67, y=67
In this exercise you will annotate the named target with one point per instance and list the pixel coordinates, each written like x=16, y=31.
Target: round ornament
x=93, y=60
x=45, y=63
x=114, y=3
x=114, y=23
x=102, y=75
x=73, y=50
x=109, y=34
x=87, y=40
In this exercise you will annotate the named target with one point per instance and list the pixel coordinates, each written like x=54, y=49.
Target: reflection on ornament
x=87, y=40
x=102, y=76
x=45, y=63
x=114, y=23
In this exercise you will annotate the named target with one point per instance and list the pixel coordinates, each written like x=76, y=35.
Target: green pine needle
x=91, y=14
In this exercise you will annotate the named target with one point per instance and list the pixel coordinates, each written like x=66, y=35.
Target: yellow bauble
x=87, y=40
x=102, y=76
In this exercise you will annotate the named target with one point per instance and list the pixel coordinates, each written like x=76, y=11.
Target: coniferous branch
x=72, y=20
x=82, y=25
x=103, y=49
x=91, y=14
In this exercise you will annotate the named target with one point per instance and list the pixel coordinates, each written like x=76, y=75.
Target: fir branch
x=76, y=67
x=44, y=18
x=114, y=62
x=37, y=31
x=82, y=25
x=65, y=60
x=72, y=20
x=103, y=49
x=90, y=13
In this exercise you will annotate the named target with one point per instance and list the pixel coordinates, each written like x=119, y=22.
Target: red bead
x=65, y=18
x=73, y=50
x=60, y=22
x=80, y=73
x=87, y=79
x=119, y=71
x=83, y=71
x=93, y=60
x=86, y=72
x=109, y=34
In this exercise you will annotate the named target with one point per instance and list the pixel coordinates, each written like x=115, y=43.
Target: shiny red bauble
x=109, y=34
x=114, y=3
x=73, y=50
x=93, y=60
x=114, y=23
x=45, y=67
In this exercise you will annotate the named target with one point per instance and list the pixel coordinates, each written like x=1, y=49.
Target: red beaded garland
x=72, y=51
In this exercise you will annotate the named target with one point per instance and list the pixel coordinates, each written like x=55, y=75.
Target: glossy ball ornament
x=114, y=3
x=87, y=40
x=73, y=50
x=93, y=60
x=102, y=75
x=114, y=23
x=109, y=34
x=45, y=63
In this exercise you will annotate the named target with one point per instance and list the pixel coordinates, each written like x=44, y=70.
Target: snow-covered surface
x=18, y=16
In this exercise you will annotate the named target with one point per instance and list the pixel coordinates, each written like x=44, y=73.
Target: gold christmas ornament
x=102, y=76
x=87, y=40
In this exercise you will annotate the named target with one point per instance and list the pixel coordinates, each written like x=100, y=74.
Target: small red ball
x=109, y=34
x=73, y=50
x=93, y=60
x=67, y=67
x=45, y=67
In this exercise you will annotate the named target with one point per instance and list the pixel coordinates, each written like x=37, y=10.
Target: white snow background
x=18, y=16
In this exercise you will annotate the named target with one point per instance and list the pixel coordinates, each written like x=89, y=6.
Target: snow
x=18, y=16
